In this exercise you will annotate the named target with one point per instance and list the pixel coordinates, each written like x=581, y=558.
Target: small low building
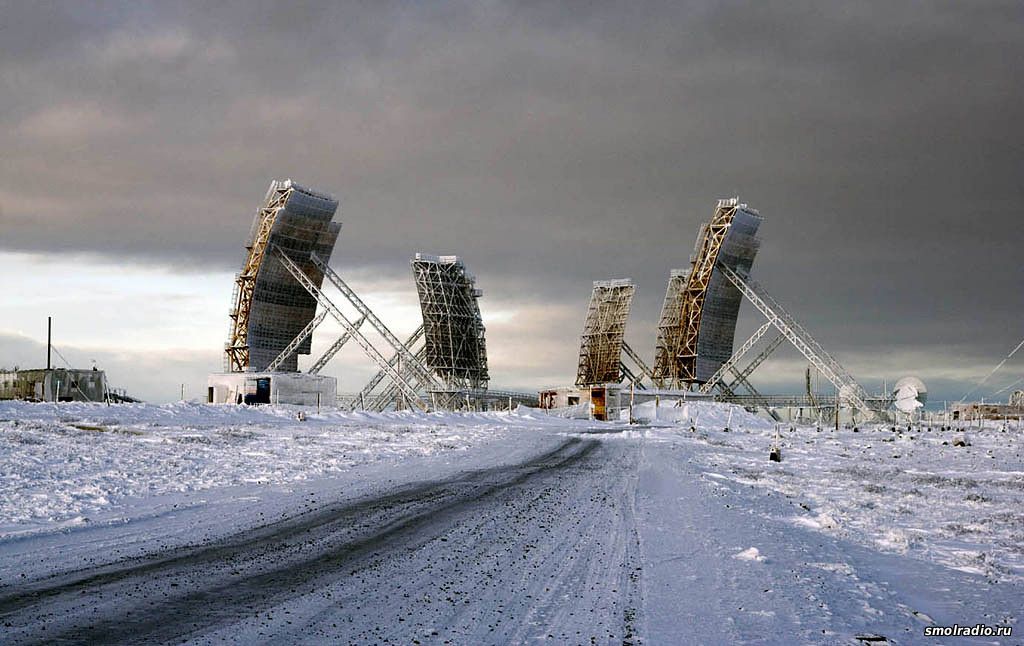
x=603, y=399
x=297, y=388
x=562, y=397
x=607, y=401
x=966, y=411
x=54, y=384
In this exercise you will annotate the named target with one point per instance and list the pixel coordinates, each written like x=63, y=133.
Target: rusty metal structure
x=697, y=326
x=272, y=315
x=701, y=339
x=692, y=346
x=600, y=360
x=455, y=348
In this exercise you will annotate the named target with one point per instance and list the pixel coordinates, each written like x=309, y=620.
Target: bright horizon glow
x=154, y=328
x=98, y=304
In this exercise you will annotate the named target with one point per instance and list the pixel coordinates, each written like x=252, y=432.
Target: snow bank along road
x=533, y=530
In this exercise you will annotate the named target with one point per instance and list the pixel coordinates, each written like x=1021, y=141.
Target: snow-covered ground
x=910, y=492
x=69, y=464
x=563, y=529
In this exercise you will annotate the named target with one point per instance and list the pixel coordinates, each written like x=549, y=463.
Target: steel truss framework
x=293, y=346
x=849, y=391
x=237, y=347
x=414, y=365
x=695, y=291
x=740, y=376
x=741, y=379
x=601, y=343
x=636, y=370
x=698, y=321
x=698, y=318
x=408, y=390
x=666, y=350
x=455, y=347
x=730, y=364
x=334, y=348
x=410, y=367
x=407, y=380
x=270, y=312
x=371, y=399
x=306, y=332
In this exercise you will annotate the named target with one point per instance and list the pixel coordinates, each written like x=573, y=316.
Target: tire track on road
x=188, y=591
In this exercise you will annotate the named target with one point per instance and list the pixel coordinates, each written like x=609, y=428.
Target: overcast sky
x=548, y=144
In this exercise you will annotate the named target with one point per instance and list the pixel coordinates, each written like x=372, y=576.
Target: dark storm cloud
x=550, y=145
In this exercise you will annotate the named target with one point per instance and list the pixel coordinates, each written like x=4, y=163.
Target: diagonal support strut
x=800, y=339
x=361, y=340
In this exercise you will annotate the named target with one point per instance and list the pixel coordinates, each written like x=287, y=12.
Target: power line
x=998, y=366
x=70, y=367
x=66, y=362
x=1005, y=388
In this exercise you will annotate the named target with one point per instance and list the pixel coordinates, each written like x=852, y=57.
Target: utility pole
x=400, y=404
x=49, y=340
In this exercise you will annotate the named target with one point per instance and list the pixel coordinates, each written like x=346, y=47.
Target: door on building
x=598, y=398
x=263, y=390
x=260, y=394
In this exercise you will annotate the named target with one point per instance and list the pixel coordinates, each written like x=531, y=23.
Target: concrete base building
x=273, y=316
x=295, y=388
